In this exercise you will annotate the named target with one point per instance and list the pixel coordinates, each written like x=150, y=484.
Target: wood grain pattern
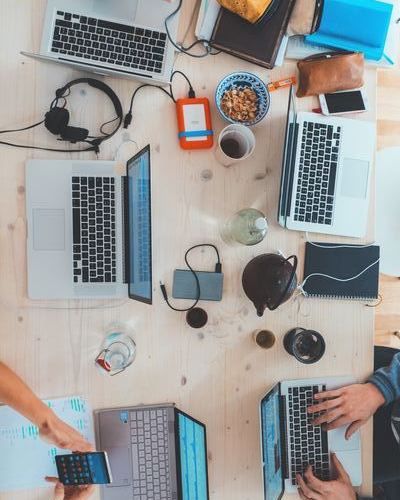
x=216, y=374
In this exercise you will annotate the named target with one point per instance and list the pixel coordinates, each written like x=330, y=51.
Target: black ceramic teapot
x=269, y=280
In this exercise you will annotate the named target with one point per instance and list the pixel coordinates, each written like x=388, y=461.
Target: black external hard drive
x=184, y=286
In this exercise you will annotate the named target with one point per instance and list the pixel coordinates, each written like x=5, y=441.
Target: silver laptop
x=89, y=229
x=111, y=37
x=290, y=443
x=156, y=453
x=326, y=173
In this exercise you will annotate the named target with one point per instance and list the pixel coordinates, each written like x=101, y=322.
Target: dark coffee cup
x=264, y=339
x=307, y=346
x=196, y=317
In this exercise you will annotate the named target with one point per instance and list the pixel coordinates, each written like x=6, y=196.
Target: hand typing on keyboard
x=352, y=405
x=311, y=488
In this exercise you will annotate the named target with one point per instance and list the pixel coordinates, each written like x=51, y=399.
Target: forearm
x=387, y=380
x=16, y=394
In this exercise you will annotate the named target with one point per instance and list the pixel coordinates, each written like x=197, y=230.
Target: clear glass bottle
x=118, y=350
x=247, y=227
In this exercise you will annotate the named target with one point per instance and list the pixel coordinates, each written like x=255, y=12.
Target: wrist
x=43, y=416
x=376, y=395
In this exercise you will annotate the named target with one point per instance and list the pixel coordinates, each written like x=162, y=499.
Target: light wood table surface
x=216, y=374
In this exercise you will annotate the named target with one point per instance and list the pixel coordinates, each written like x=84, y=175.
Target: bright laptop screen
x=139, y=215
x=193, y=459
x=271, y=445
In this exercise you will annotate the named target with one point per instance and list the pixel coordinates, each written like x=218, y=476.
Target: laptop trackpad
x=48, y=229
x=338, y=441
x=120, y=465
x=355, y=178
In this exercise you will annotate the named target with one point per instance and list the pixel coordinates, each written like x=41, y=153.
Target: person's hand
x=352, y=405
x=62, y=492
x=57, y=432
x=311, y=488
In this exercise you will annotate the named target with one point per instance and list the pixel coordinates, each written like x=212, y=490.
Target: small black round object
x=307, y=346
x=196, y=317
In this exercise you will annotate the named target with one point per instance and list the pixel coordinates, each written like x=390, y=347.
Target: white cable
x=343, y=280
x=333, y=247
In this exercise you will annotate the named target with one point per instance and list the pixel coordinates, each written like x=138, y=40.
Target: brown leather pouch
x=330, y=72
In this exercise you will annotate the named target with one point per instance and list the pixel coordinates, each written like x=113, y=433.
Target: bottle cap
x=261, y=224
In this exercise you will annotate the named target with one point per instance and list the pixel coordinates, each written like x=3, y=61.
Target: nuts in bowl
x=242, y=98
x=240, y=104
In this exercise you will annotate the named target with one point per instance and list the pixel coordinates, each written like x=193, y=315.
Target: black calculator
x=84, y=468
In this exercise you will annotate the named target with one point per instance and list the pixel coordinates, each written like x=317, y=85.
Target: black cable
x=170, y=94
x=191, y=93
x=128, y=117
x=218, y=269
x=102, y=127
x=21, y=129
x=186, y=50
x=92, y=148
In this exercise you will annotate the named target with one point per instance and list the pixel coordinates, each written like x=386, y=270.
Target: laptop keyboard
x=151, y=474
x=103, y=41
x=93, y=221
x=318, y=166
x=308, y=443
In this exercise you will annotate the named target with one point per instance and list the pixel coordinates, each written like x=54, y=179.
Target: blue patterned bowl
x=241, y=80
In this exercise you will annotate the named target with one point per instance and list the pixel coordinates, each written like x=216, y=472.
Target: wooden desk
x=216, y=374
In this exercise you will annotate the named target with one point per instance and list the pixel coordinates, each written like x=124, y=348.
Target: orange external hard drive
x=194, y=123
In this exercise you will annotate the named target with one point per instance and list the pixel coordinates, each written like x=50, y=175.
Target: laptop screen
x=271, y=446
x=139, y=226
x=193, y=458
x=286, y=180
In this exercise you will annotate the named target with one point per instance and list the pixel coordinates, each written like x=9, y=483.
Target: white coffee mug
x=235, y=144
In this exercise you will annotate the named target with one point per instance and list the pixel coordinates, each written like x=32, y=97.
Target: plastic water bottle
x=246, y=227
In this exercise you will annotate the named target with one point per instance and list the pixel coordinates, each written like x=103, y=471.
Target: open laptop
x=89, y=229
x=111, y=37
x=290, y=443
x=156, y=452
x=326, y=173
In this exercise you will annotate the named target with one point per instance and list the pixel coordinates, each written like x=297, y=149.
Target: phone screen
x=83, y=468
x=342, y=102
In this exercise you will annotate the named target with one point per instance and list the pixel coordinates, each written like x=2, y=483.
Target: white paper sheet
x=24, y=458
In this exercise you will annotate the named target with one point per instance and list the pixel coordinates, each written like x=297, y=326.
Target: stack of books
x=376, y=33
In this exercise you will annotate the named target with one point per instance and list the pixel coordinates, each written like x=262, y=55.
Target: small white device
x=338, y=103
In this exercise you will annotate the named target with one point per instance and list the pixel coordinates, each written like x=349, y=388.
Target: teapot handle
x=293, y=274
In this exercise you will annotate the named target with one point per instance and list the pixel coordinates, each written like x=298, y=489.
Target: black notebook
x=341, y=263
x=257, y=43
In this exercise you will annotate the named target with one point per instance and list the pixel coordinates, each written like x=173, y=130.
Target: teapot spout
x=260, y=309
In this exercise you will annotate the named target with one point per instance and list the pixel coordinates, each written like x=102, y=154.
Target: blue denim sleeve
x=387, y=380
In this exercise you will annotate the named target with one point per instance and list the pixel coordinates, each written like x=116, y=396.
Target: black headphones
x=57, y=119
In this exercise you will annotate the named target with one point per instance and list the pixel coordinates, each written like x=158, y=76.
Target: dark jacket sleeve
x=387, y=380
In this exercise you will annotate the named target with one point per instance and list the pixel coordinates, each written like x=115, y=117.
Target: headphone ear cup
x=74, y=134
x=56, y=120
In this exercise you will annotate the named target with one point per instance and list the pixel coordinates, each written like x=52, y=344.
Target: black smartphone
x=84, y=468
